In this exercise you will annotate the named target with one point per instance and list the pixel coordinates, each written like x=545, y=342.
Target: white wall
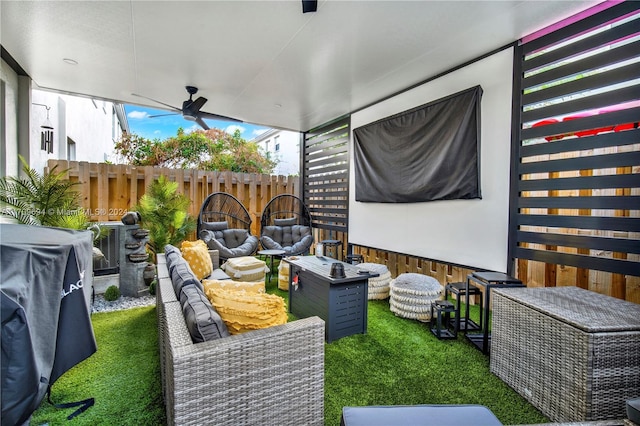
x=89, y=123
x=9, y=126
x=472, y=233
x=288, y=156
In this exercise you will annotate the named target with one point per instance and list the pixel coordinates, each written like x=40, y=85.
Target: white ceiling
x=264, y=62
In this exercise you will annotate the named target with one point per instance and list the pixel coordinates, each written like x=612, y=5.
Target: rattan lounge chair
x=285, y=224
x=224, y=224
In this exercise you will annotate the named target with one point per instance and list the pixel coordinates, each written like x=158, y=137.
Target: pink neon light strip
x=570, y=20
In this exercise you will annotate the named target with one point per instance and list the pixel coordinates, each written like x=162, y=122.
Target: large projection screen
x=471, y=233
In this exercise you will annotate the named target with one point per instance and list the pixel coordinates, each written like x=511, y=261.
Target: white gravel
x=101, y=305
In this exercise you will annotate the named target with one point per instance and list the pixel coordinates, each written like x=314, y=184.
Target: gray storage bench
x=573, y=353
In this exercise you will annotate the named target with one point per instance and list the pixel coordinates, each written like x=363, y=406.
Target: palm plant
x=47, y=200
x=164, y=214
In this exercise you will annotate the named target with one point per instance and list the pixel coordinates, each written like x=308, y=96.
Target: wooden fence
x=107, y=191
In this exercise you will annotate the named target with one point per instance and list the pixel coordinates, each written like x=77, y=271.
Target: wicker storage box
x=573, y=353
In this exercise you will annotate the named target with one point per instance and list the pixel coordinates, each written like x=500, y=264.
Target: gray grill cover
x=46, y=329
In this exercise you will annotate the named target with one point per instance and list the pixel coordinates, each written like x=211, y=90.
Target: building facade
x=283, y=146
x=41, y=125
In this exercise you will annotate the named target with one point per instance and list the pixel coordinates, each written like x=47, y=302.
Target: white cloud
x=192, y=128
x=157, y=132
x=231, y=129
x=138, y=115
x=258, y=132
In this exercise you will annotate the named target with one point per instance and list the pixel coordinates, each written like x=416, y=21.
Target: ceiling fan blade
x=211, y=116
x=202, y=124
x=163, y=115
x=156, y=101
x=197, y=104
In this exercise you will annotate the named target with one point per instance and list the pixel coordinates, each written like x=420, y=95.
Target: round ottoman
x=410, y=296
x=378, y=286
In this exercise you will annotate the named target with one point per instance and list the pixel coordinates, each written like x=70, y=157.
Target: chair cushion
x=243, y=311
x=295, y=239
x=215, y=226
x=290, y=221
x=203, y=322
x=196, y=253
x=234, y=237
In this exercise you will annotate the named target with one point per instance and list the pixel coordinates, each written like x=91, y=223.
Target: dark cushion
x=296, y=239
x=182, y=276
x=247, y=248
x=202, y=320
x=419, y=415
x=171, y=254
x=215, y=226
x=234, y=237
x=290, y=221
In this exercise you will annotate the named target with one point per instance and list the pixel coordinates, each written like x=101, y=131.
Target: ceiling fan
x=191, y=109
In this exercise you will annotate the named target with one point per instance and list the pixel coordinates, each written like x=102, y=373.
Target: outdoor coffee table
x=271, y=254
x=340, y=301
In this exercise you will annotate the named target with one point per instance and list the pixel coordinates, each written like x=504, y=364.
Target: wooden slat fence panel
x=107, y=191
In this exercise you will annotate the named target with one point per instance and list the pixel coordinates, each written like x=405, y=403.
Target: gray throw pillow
x=290, y=221
x=202, y=320
x=215, y=226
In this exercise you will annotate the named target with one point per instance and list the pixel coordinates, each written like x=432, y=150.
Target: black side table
x=460, y=290
x=488, y=280
x=334, y=245
x=271, y=254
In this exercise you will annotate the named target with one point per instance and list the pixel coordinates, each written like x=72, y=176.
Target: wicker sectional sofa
x=269, y=376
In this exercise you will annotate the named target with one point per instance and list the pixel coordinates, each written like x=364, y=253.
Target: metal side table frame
x=488, y=280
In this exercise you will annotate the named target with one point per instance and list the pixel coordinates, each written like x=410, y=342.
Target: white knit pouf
x=410, y=295
x=378, y=286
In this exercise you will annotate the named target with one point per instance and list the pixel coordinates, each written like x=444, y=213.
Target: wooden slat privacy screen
x=326, y=176
x=576, y=156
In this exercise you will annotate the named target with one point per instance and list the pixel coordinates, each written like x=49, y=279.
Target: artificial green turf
x=123, y=375
x=400, y=362
x=397, y=362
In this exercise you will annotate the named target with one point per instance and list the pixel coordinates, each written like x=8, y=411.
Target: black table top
x=321, y=266
x=496, y=278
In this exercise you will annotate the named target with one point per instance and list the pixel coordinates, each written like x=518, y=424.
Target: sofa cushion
x=242, y=311
x=171, y=254
x=196, y=253
x=182, y=275
x=203, y=322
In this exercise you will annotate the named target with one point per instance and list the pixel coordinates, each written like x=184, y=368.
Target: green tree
x=164, y=214
x=211, y=149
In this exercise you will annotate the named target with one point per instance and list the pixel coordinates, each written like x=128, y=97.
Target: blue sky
x=161, y=128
